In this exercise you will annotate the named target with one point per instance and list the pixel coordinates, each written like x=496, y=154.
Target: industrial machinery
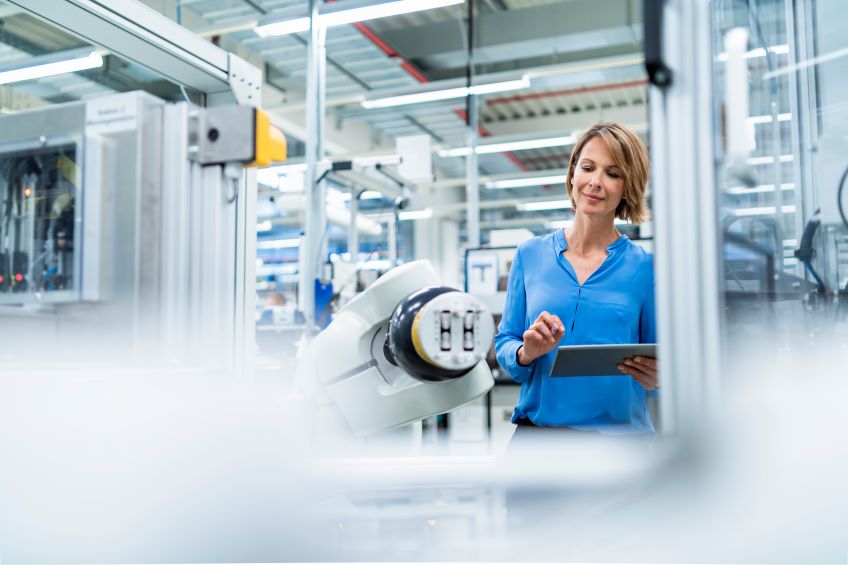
x=404, y=349
x=125, y=227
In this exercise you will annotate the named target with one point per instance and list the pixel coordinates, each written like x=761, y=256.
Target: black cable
x=806, y=252
x=323, y=176
x=839, y=198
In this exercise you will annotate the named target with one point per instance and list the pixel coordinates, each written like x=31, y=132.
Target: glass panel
x=27, y=42
x=38, y=191
x=785, y=253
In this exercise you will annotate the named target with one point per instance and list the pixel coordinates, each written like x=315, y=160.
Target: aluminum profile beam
x=137, y=33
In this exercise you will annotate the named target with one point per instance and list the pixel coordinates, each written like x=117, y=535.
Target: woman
x=582, y=285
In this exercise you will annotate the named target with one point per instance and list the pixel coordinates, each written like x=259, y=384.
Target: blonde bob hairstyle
x=630, y=155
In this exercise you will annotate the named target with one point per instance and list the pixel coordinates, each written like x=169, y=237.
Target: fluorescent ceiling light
x=416, y=214
x=286, y=27
x=549, y=205
x=278, y=243
x=509, y=146
x=767, y=119
x=762, y=211
x=760, y=188
x=281, y=269
x=489, y=88
x=767, y=160
x=446, y=93
x=416, y=98
x=340, y=14
x=264, y=226
x=380, y=10
x=522, y=182
x=90, y=61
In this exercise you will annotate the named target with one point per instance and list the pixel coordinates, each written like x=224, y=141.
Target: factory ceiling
x=583, y=59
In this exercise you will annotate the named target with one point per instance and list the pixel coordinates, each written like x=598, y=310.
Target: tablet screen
x=597, y=360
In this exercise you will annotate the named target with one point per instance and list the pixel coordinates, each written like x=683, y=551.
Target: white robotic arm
x=405, y=349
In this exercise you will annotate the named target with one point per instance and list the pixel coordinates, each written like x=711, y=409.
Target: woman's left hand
x=643, y=369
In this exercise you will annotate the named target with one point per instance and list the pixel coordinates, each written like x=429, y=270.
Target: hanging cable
x=839, y=192
x=806, y=252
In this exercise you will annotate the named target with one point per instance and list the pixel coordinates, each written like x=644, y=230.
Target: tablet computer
x=597, y=360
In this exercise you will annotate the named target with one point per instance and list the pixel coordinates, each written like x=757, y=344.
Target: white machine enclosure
x=159, y=253
x=346, y=363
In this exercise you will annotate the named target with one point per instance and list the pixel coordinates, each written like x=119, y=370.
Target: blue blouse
x=614, y=305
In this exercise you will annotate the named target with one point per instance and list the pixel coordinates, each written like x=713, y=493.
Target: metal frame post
x=352, y=232
x=472, y=188
x=688, y=294
x=315, y=225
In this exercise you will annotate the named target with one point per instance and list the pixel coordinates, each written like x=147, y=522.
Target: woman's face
x=598, y=183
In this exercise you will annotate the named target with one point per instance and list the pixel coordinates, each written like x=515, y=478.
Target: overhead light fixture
x=278, y=243
x=509, y=146
x=759, y=188
x=264, y=226
x=767, y=119
x=446, y=93
x=763, y=211
x=280, y=269
x=549, y=205
x=52, y=67
x=344, y=13
x=351, y=12
x=286, y=27
x=770, y=159
x=527, y=181
x=416, y=214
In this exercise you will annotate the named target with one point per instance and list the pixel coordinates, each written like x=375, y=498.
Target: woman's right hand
x=542, y=336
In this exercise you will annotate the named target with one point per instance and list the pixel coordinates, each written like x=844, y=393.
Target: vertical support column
x=316, y=215
x=472, y=189
x=352, y=232
x=245, y=277
x=688, y=290
x=392, y=229
x=804, y=132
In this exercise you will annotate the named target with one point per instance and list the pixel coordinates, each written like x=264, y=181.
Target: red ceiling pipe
x=565, y=92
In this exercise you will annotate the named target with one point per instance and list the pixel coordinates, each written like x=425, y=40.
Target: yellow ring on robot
x=416, y=339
